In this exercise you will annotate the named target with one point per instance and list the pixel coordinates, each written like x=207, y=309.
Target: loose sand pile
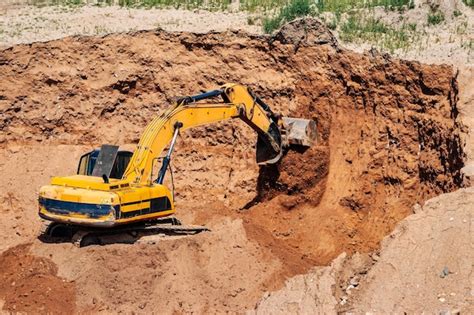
x=389, y=137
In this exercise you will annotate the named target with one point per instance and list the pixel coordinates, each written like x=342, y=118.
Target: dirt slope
x=436, y=275
x=425, y=266
x=389, y=138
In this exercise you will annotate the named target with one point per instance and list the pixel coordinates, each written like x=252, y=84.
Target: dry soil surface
x=26, y=24
x=423, y=266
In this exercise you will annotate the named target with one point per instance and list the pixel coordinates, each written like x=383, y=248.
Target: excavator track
x=84, y=236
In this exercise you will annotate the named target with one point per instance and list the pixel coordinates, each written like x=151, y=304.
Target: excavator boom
x=188, y=113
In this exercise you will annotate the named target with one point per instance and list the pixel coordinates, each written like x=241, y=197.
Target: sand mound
x=389, y=138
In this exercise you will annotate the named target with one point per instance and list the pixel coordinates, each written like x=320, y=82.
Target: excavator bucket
x=296, y=131
x=300, y=131
x=269, y=146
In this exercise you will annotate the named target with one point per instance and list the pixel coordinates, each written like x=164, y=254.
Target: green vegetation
x=347, y=5
x=297, y=8
x=468, y=45
x=411, y=26
x=332, y=24
x=374, y=31
x=245, y=5
x=462, y=28
x=183, y=4
x=294, y=9
x=435, y=18
x=469, y=3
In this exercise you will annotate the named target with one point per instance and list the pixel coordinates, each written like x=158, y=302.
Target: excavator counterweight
x=116, y=188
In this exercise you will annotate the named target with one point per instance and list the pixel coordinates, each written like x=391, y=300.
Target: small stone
x=349, y=288
x=417, y=208
x=343, y=300
x=442, y=299
x=354, y=281
x=444, y=273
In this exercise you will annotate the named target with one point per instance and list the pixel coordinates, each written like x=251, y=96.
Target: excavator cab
x=111, y=158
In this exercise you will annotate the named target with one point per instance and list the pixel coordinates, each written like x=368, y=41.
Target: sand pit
x=389, y=138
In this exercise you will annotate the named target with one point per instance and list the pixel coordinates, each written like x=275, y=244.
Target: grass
x=462, y=28
x=245, y=5
x=435, y=18
x=469, y=3
x=294, y=9
x=297, y=8
x=178, y=4
x=212, y=5
x=468, y=45
x=374, y=31
x=347, y=5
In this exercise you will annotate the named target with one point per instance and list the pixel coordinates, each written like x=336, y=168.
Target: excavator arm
x=188, y=112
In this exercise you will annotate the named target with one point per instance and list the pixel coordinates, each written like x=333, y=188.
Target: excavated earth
x=389, y=138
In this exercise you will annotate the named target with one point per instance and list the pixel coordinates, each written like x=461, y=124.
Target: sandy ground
x=26, y=24
x=278, y=231
x=449, y=42
x=424, y=266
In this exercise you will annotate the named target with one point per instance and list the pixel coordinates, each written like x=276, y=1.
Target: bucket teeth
x=300, y=131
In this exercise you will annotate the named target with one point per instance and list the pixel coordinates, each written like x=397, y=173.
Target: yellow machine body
x=88, y=201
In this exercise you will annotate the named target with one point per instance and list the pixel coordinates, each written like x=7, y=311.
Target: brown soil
x=389, y=137
x=30, y=284
x=423, y=266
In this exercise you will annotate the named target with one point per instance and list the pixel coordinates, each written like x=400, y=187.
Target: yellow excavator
x=116, y=191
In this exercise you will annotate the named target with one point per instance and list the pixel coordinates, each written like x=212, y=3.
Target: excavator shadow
x=81, y=237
